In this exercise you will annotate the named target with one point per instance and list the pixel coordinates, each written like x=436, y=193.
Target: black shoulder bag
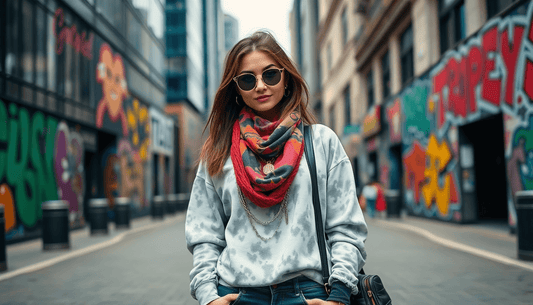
x=371, y=289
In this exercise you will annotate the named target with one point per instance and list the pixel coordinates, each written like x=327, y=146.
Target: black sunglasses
x=248, y=81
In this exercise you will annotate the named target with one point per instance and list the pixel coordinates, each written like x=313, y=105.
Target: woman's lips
x=263, y=98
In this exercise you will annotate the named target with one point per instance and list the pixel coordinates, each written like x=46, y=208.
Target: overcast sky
x=260, y=14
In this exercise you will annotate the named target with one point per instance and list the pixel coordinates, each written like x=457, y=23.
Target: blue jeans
x=291, y=292
x=371, y=207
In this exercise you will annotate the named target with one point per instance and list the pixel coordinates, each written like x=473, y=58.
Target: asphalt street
x=152, y=266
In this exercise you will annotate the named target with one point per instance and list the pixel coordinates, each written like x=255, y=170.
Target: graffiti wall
x=41, y=158
x=491, y=73
x=124, y=162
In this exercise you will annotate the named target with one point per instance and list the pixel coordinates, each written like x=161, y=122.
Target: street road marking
x=459, y=246
x=84, y=251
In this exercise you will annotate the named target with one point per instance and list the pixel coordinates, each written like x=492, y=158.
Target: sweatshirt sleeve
x=345, y=226
x=204, y=233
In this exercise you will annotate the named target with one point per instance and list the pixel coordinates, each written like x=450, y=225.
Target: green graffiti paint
x=28, y=168
x=46, y=188
x=3, y=138
x=415, y=105
x=21, y=179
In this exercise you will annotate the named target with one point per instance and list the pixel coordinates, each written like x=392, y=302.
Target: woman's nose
x=260, y=84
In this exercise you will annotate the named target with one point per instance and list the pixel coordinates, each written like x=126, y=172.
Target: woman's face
x=263, y=99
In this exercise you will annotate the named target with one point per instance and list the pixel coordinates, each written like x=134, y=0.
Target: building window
x=175, y=18
x=40, y=59
x=344, y=19
x=112, y=10
x=12, y=38
x=177, y=85
x=27, y=41
x=452, y=23
x=176, y=44
x=370, y=89
x=134, y=31
x=347, y=107
x=494, y=7
x=51, y=58
x=385, y=67
x=406, y=55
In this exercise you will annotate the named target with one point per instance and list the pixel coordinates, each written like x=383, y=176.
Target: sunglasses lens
x=246, y=82
x=272, y=77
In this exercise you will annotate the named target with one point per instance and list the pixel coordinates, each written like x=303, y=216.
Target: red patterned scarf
x=256, y=142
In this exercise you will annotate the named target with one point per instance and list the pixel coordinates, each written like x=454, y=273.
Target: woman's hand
x=322, y=302
x=225, y=300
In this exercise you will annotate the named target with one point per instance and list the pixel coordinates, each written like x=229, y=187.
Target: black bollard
x=524, y=224
x=172, y=202
x=3, y=256
x=158, y=205
x=55, y=229
x=98, y=208
x=392, y=197
x=122, y=213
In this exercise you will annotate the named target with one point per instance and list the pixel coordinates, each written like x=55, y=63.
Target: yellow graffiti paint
x=437, y=155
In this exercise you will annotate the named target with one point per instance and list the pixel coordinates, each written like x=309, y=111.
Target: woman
x=250, y=222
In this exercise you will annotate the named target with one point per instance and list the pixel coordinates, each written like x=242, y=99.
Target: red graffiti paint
x=81, y=42
x=439, y=82
x=415, y=166
x=528, y=73
x=476, y=67
x=460, y=77
x=491, y=87
x=510, y=52
x=457, y=72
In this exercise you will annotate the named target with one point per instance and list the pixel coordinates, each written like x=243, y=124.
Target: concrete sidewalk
x=489, y=240
x=29, y=256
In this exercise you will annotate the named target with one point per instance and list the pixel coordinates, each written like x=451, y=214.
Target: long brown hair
x=225, y=110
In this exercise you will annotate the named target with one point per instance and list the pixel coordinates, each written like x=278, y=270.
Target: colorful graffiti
x=438, y=156
x=490, y=73
x=42, y=160
x=415, y=167
x=394, y=119
x=6, y=198
x=68, y=166
x=139, y=127
x=111, y=174
x=80, y=42
x=132, y=173
x=111, y=75
x=26, y=164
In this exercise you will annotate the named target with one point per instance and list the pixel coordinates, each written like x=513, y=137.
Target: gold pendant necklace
x=268, y=168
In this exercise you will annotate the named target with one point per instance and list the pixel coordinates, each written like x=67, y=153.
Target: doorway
x=90, y=167
x=373, y=166
x=396, y=170
x=484, y=179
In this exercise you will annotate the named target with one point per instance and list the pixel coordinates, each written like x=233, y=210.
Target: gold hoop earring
x=286, y=93
x=237, y=100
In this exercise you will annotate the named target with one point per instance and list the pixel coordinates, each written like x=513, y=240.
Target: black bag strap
x=310, y=157
x=311, y=162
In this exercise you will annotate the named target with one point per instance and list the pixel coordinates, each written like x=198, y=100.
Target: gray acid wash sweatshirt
x=227, y=251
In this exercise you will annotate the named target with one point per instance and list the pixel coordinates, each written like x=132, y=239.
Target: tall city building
x=231, y=32
x=194, y=42
x=82, y=98
x=303, y=23
x=440, y=98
